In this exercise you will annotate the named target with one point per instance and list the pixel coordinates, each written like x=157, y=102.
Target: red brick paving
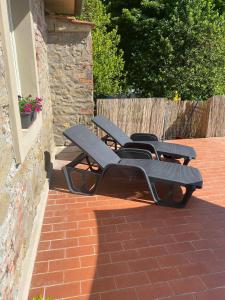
x=118, y=246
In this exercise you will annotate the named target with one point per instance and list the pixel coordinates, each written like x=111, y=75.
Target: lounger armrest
x=142, y=146
x=124, y=171
x=144, y=137
x=134, y=153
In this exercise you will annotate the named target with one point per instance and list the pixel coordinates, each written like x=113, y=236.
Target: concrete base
x=64, y=155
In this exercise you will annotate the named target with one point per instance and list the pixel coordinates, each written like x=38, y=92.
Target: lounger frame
x=103, y=174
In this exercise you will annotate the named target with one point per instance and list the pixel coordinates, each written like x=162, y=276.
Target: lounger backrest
x=92, y=145
x=115, y=132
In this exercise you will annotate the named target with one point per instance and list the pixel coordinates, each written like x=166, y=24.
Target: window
x=23, y=39
x=17, y=34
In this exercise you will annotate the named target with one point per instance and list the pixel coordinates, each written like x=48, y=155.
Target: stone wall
x=71, y=78
x=21, y=185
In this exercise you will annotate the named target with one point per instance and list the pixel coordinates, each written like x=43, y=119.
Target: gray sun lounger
x=146, y=141
x=102, y=162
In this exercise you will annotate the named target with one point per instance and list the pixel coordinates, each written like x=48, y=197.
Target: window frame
x=23, y=139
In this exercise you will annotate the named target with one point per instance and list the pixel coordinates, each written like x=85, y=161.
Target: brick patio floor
x=121, y=246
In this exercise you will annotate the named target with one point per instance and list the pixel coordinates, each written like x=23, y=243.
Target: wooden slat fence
x=165, y=118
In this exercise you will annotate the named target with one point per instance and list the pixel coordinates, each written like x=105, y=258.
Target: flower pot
x=26, y=119
x=33, y=116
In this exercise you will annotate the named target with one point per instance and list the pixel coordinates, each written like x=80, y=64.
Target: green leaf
x=108, y=63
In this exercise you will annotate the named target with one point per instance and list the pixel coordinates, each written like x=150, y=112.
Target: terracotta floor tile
x=132, y=227
x=40, y=267
x=47, y=228
x=179, y=247
x=135, y=243
x=217, y=294
x=105, y=229
x=59, y=244
x=88, y=240
x=63, y=290
x=64, y=226
x=214, y=280
x=85, y=297
x=165, y=274
x=152, y=292
x=162, y=240
x=112, y=221
x=94, y=260
x=187, y=285
x=53, y=235
x=193, y=269
x=219, y=253
x=181, y=297
x=35, y=292
x=75, y=233
x=131, y=280
x=124, y=294
x=200, y=256
x=50, y=255
x=39, y=280
x=209, y=243
x=64, y=264
x=79, y=274
x=153, y=251
x=98, y=285
x=143, y=264
x=79, y=251
x=112, y=269
x=118, y=236
x=109, y=247
x=172, y=260
x=125, y=255
x=44, y=245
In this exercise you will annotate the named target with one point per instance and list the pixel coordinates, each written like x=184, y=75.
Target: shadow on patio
x=118, y=245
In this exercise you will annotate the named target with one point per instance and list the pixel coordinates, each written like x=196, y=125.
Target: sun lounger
x=144, y=141
x=102, y=162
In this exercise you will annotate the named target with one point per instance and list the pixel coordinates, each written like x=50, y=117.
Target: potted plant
x=29, y=107
x=42, y=298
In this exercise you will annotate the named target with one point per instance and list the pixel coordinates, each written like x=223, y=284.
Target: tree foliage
x=220, y=6
x=108, y=60
x=172, y=46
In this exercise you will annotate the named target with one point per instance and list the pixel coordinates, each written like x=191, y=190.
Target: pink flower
x=37, y=109
x=27, y=107
x=39, y=100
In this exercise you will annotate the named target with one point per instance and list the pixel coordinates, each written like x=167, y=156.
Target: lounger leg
x=70, y=168
x=83, y=190
x=169, y=202
x=187, y=195
x=186, y=161
x=106, y=139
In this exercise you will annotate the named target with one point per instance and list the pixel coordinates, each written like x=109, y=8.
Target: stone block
x=4, y=206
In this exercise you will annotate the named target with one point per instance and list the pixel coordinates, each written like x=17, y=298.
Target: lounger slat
x=167, y=172
x=91, y=144
x=112, y=130
x=170, y=148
